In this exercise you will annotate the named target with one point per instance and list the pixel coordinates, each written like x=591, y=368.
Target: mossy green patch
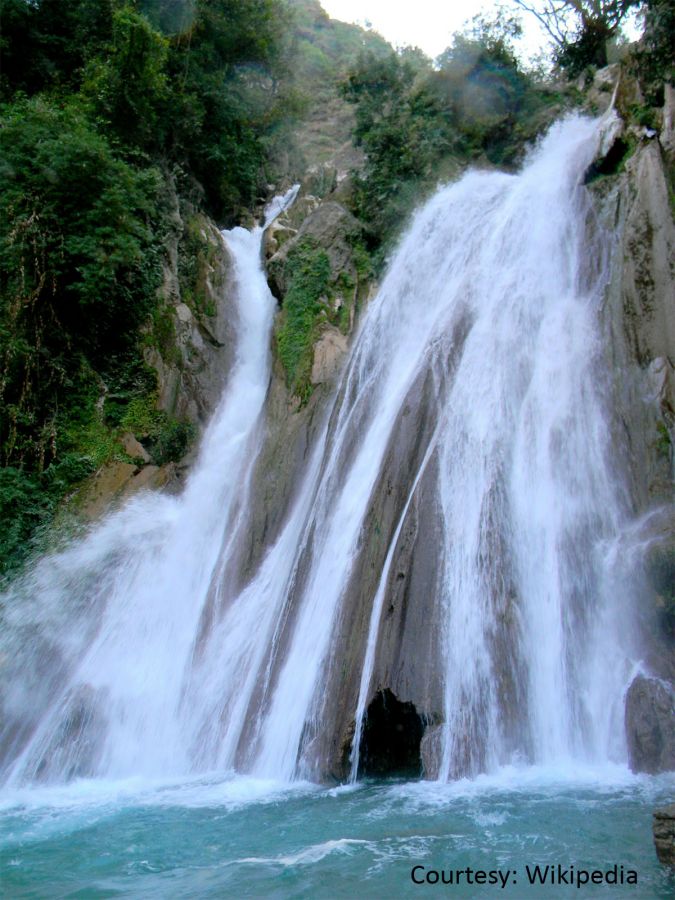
x=307, y=271
x=198, y=265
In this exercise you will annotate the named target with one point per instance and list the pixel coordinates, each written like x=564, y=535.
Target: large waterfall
x=480, y=363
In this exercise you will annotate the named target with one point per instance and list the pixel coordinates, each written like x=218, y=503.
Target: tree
x=79, y=267
x=127, y=84
x=656, y=52
x=579, y=29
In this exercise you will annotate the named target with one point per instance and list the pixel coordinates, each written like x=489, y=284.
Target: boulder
x=320, y=180
x=663, y=828
x=650, y=725
x=134, y=448
x=330, y=227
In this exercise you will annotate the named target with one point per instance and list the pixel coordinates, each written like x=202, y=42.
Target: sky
x=428, y=24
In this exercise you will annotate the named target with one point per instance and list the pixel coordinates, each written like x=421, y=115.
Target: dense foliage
x=655, y=56
x=307, y=270
x=104, y=102
x=416, y=121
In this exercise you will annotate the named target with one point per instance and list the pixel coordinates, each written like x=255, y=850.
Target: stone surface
x=116, y=482
x=668, y=129
x=408, y=651
x=650, y=725
x=134, y=448
x=329, y=352
x=431, y=751
x=191, y=374
x=639, y=346
x=648, y=258
x=663, y=828
x=329, y=227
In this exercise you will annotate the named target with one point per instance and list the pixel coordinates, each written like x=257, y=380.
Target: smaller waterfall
x=119, y=612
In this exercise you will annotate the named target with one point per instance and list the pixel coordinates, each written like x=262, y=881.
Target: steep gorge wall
x=636, y=205
x=190, y=350
x=633, y=205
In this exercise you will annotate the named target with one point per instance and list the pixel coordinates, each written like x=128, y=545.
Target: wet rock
x=431, y=751
x=668, y=130
x=77, y=742
x=406, y=662
x=634, y=207
x=663, y=828
x=116, y=482
x=329, y=227
x=650, y=725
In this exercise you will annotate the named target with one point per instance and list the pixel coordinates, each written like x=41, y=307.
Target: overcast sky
x=428, y=24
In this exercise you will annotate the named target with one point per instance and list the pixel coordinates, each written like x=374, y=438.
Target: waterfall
x=117, y=614
x=487, y=327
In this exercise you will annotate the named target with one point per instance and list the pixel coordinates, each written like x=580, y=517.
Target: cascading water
x=118, y=613
x=490, y=295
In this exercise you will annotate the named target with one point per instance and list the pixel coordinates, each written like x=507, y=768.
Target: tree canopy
x=579, y=29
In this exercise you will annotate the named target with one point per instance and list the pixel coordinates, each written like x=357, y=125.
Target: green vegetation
x=315, y=297
x=663, y=444
x=654, y=58
x=324, y=49
x=196, y=260
x=307, y=271
x=418, y=123
x=581, y=31
x=661, y=573
x=102, y=104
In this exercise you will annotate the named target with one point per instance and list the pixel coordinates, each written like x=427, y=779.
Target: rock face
x=632, y=203
x=664, y=834
x=632, y=200
x=329, y=227
x=199, y=311
x=191, y=363
x=329, y=352
x=650, y=725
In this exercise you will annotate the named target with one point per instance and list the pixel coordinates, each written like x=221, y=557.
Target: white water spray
x=149, y=569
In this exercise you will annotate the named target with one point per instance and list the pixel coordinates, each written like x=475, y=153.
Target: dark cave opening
x=391, y=738
x=610, y=163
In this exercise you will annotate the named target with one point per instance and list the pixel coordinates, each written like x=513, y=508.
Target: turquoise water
x=239, y=837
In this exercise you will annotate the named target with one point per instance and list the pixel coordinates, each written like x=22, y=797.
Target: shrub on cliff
x=413, y=119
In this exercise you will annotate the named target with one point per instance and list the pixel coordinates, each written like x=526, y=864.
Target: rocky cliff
x=633, y=187
x=189, y=349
